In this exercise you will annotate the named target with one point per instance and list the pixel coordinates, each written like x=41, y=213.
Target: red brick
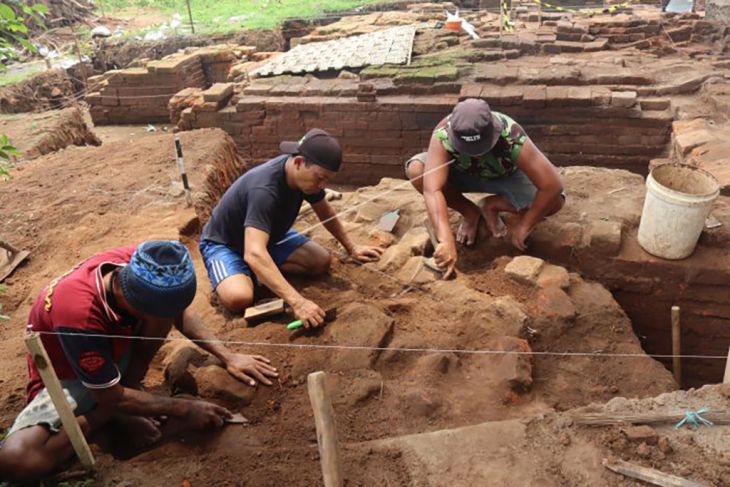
x=534, y=96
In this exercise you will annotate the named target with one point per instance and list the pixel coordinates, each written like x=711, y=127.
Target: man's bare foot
x=495, y=224
x=468, y=228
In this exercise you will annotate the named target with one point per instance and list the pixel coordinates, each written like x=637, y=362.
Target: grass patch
x=226, y=15
x=7, y=78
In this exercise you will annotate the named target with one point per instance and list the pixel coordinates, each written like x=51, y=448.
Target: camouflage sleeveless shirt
x=500, y=161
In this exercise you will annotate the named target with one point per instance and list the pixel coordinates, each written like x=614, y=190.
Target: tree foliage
x=14, y=29
x=13, y=32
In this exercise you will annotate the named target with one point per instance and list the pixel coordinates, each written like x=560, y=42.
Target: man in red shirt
x=101, y=324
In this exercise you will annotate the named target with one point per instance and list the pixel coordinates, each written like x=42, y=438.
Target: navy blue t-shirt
x=260, y=198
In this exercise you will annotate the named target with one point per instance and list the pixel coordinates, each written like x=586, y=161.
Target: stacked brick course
x=141, y=95
x=572, y=125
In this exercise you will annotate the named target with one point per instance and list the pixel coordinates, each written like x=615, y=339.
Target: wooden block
x=263, y=310
x=650, y=475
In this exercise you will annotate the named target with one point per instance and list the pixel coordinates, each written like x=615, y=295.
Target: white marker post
x=55, y=391
x=181, y=169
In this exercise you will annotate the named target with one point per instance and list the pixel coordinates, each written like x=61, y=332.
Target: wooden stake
x=650, y=475
x=324, y=419
x=726, y=378
x=501, y=19
x=190, y=14
x=676, y=346
x=181, y=169
x=605, y=419
x=55, y=391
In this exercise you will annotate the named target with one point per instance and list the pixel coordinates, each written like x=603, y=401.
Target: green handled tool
x=329, y=315
x=294, y=325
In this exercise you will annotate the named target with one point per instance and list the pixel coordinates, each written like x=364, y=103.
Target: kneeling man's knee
x=322, y=263
x=21, y=464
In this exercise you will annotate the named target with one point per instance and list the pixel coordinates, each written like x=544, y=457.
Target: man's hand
x=366, y=253
x=243, y=367
x=445, y=256
x=206, y=415
x=308, y=312
x=518, y=234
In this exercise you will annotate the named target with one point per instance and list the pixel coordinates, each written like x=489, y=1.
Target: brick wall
x=141, y=95
x=572, y=125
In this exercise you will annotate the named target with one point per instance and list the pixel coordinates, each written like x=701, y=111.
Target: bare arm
x=327, y=216
x=256, y=255
x=190, y=325
x=546, y=179
x=120, y=399
x=239, y=365
x=436, y=174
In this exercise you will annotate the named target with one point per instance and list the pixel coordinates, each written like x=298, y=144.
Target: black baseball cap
x=318, y=147
x=473, y=128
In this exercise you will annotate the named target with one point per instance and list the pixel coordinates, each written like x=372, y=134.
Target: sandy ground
x=70, y=204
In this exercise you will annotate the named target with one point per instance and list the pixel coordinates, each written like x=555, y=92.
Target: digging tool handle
x=329, y=315
x=324, y=420
x=55, y=391
x=294, y=325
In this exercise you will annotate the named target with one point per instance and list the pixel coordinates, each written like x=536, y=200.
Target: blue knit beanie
x=159, y=279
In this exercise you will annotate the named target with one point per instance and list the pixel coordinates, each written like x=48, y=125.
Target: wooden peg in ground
x=650, y=475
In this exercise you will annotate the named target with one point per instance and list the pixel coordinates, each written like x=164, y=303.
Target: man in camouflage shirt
x=476, y=150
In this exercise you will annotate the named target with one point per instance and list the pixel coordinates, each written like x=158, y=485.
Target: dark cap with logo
x=473, y=128
x=318, y=147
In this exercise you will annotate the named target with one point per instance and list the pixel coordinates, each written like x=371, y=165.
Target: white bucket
x=678, y=200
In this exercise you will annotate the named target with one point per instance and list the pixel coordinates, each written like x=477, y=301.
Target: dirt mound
x=69, y=129
x=402, y=357
x=49, y=89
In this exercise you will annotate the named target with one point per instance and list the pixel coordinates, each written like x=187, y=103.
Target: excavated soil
x=68, y=205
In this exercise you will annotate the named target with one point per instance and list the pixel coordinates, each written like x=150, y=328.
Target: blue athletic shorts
x=221, y=261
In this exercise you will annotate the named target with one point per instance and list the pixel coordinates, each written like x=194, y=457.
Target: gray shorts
x=42, y=411
x=516, y=188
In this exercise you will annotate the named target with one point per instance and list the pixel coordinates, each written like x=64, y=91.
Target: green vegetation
x=226, y=15
x=14, y=32
x=444, y=65
x=10, y=78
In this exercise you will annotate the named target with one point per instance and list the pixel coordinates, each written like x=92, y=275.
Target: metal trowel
x=387, y=221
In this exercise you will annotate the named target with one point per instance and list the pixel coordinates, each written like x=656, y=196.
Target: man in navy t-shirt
x=249, y=238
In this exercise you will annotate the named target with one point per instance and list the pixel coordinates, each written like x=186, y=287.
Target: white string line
x=369, y=200
x=383, y=349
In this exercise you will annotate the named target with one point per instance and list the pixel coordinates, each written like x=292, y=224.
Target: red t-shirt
x=75, y=305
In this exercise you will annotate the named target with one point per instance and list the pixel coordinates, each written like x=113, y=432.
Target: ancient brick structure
x=141, y=95
x=378, y=136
